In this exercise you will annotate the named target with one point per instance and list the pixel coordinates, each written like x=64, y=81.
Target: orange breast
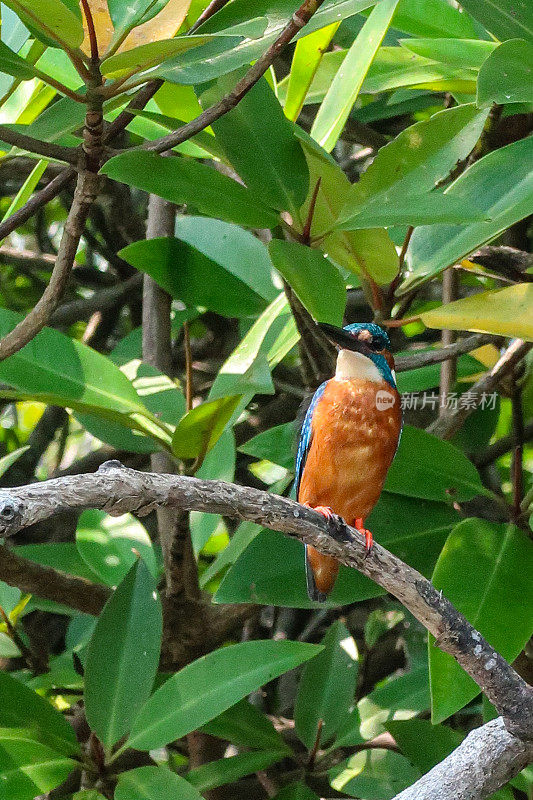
x=354, y=441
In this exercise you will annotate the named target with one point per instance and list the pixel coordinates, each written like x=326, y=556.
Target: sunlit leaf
x=51, y=20
x=507, y=75
x=506, y=19
x=307, y=56
x=9, y=459
x=28, y=767
x=199, y=430
x=149, y=54
x=154, y=783
x=373, y=774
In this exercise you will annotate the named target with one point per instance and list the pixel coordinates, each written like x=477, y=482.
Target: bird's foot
x=337, y=526
x=366, y=534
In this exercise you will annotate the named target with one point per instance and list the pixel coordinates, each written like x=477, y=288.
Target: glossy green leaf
x=343, y=92
x=485, y=571
x=259, y=142
x=26, y=190
x=416, y=209
x=434, y=18
x=219, y=463
x=308, y=271
x=507, y=75
x=365, y=252
x=327, y=687
x=22, y=707
x=126, y=17
x=199, y=430
x=428, y=377
x=149, y=55
x=420, y=156
x=54, y=364
x=123, y=656
x=237, y=544
x=210, y=685
x=271, y=570
x=296, y=791
x=421, y=455
x=424, y=744
x=27, y=767
x=237, y=250
x=501, y=185
x=154, y=783
x=506, y=19
x=111, y=545
x=51, y=20
x=13, y=64
x=277, y=444
x=506, y=312
x=228, y=770
x=307, y=56
x=200, y=282
x=455, y=52
x=180, y=180
x=398, y=698
x=244, y=724
x=9, y=459
x=373, y=774
x=59, y=555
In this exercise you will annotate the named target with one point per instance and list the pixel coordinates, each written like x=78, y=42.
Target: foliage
x=371, y=161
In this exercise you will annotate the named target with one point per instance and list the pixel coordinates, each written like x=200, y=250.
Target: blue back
x=305, y=436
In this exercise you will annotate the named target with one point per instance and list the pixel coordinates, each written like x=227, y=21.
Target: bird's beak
x=343, y=339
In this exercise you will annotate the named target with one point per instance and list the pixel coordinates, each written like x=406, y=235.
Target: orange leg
x=369, y=539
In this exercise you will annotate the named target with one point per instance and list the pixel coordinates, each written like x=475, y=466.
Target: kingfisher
x=348, y=440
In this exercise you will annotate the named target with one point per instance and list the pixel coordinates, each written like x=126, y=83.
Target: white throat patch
x=351, y=364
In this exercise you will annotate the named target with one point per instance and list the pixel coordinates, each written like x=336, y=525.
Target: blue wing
x=306, y=435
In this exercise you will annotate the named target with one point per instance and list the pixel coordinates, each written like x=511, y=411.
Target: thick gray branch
x=487, y=759
x=118, y=490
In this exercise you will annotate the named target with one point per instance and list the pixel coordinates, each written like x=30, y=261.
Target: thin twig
x=298, y=20
x=212, y=8
x=426, y=357
x=518, y=446
x=500, y=447
x=448, y=370
x=39, y=199
x=118, y=490
x=91, y=31
x=84, y=195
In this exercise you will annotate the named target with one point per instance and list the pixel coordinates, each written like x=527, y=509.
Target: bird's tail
x=325, y=568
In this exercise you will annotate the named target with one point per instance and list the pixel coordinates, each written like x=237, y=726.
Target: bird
x=348, y=441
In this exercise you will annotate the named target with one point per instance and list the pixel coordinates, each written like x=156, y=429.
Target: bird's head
x=367, y=340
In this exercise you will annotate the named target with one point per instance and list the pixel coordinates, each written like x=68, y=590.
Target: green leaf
x=373, y=774
x=307, y=56
x=462, y=53
x=150, y=54
x=26, y=190
x=123, y=656
x=59, y=555
x=154, y=783
x=428, y=377
x=12, y=64
x=327, y=687
x=237, y=544
x=507, y=312
x=507, y=74
x=199, y=430
x=421, y=455
x=416, y=209
x=434, y=18
x=271, y=569
x=506, y=19
x=343, y=92
x=259, y=142
x=28, y=768
x=10, y=458
x=200, y=282
x=276, y=444
x=484, y=570
x=238, y=251
x=180, y=180
x=366, y=252
x=501, y=185
x=424, y=744
x=54, y=364
x=210, y=685
x=296, y=791
x=243, y=724
x=229, y=770
x=420, y=156
x=109, y=545
x=126, y=16
x=309, y=273
x=22, y=707
x=51, y=20
x=400, y=697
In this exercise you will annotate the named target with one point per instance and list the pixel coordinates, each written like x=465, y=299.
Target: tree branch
x=446, y=427
x=46, y=149
x=117, y=490
x=102, y=300
x=84, y=195
x=39, y=199
x=424, y=358
x=300, y=18
x=486, y=760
